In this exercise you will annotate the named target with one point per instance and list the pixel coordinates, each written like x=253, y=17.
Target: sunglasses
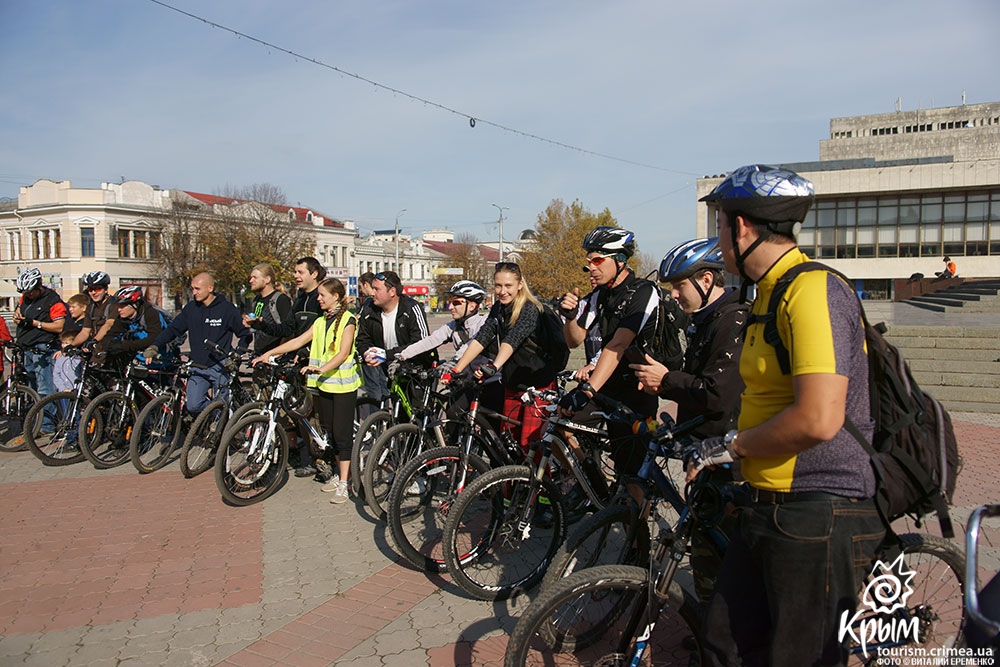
x=388, y=280
x=506, y=266
x=456, y=302
x=596, y=261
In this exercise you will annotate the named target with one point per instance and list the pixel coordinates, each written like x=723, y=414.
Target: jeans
x=201, y=381
x=39, y=365
x=789, y=573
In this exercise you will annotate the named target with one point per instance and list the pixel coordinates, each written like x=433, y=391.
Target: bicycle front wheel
x=604, y=538
x=502, y=532
x=420, y=500
x=106, y=427
x=250, y=463
x=398, y=446
x=15, y=401
x=51, y=428
x=156, y=433
x=198, y=450
x=370, y=430
x=602, y=616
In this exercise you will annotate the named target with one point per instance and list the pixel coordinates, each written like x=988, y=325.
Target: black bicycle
x=16, y=398
x=159, y=425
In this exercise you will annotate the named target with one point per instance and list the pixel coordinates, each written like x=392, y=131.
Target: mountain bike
x=426, y=488
x=16, y=398
x=202, y=441
x=160, y=424
x=108, y=420
x=619, y=614
x=60, y=446
x=982, y=604
x=505, y=527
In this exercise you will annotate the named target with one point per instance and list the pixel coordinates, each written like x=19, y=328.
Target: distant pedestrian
x=950, y=269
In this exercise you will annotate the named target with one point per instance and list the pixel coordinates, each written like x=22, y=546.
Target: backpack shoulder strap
x=769, y=318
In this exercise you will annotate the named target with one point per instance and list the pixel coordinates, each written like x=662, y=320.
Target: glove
x=393, y=366
x=488, y=370
x=88, y=345
x=574, y=400
x=150, y=353
x=113, y=346
x=709, y=452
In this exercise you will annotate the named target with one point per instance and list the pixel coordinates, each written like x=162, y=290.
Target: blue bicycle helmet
x=689, y=257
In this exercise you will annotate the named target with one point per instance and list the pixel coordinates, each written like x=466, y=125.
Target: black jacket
x=709, y=382
x=411, y=326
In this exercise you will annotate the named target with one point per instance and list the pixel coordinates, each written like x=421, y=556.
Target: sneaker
x=331, y=485
x=339, y=494
x=305, y=471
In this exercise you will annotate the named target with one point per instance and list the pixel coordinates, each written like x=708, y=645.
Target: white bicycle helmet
x=609, y=240
x=468, y=290
x=29, y=280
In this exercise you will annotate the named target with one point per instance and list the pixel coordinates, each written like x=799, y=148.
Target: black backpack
x=666, y=345
x=550, y=337
x=914, y=452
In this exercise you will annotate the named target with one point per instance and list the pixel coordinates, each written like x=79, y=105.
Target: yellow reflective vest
x=325, y=344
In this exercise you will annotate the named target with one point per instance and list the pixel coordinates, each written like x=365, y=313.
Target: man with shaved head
x=207, y=317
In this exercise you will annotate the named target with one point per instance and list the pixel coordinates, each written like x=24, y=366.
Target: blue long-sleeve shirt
x=218, y=322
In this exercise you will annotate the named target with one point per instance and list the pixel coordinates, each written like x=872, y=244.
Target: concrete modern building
x=896, y=192
x=66, y=232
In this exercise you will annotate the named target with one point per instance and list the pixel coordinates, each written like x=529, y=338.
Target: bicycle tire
x=15, y=401
x=484, y=526
x=105, y=429
x=370, y=429
x=245, y=477
x=202, y=440
x=416, y=520
x=61, y=446
x=604, y=538
x=938, y=589
x=396, y=447
x=612, y=597
x=156, y=433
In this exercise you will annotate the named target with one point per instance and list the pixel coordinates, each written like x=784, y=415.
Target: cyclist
x=208, y=316
x=101, y=311
x=333, y=371
x=39, y=318
x=625, y=308
x=270, y=308
x=512, y=326
x=708, y=383
x=796, y=562
x=137, y=324
x=390, y=322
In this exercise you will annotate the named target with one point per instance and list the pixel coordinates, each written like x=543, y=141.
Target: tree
x=553, y=264
x=464, y=254
x=180, y=254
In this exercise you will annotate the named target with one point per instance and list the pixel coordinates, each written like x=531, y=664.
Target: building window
x=45, y=244
x=123, y=243
x=87, y=248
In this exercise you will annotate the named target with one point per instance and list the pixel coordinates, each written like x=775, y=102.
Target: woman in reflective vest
x=333, y=372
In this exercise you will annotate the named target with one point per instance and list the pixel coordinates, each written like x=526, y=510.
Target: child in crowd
x=65, y=367
x=77, y=305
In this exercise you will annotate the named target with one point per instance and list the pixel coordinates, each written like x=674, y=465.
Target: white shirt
x=389, y=328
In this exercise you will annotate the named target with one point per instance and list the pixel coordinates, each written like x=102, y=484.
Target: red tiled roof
x=488, y=254
x=300, y=212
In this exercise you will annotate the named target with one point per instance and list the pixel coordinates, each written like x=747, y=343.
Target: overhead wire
x=473, y=119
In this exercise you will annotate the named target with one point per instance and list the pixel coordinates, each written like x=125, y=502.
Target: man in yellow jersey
x=804, y=546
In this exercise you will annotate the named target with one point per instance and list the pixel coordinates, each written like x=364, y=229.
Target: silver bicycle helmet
x=29, y=280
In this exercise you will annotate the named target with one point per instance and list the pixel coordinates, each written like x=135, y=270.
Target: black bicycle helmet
x=467, y=289
x=29, y=280
x=609, y=240
x=129, y=296
x=96, y=279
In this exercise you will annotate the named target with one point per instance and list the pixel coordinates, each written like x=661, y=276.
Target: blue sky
x=104, y=89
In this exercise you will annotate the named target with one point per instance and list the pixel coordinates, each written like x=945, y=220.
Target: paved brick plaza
x=114, y=568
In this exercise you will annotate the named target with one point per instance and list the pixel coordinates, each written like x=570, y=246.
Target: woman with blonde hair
x=333, y=371
x=512, y=328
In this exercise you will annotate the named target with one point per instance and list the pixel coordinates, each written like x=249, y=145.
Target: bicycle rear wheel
x=596, y=617
x=156, y=433
x=106, y=426
x=395, y=448
x=15, y=401
x=420, y=500
x=250, y=462
x=502, y=533
x=198, y=450
x=370, y=430
x=51, y=427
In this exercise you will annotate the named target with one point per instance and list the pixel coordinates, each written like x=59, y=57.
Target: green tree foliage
x=553, y=264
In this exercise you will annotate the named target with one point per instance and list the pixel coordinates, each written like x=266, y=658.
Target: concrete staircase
x=960, y=366
x=981, y=296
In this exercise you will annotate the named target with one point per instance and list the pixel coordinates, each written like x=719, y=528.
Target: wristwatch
x=729, y=440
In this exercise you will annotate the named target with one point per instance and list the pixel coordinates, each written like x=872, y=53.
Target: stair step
x=932, y=381
x=964, y=394
x=936, y=300
x=922, y=331
x=927, y=306
x=953, y=366
x=947, y=343
x=984, y=357
x=970, y=406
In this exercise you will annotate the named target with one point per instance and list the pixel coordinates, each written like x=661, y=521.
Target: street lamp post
x=500, y=246
x=396, y=237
